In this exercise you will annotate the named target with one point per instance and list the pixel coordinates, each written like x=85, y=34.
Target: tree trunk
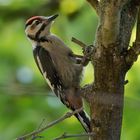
x=111, y=61
x=106, y=102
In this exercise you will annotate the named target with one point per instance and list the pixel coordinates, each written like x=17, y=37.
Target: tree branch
x=94, y=4
x=65, y=135
x=134, y=51
x=35, y=133
x=78, y=42
x=138, y=27
x=108, y=29
x=127, y=22
x=117, y=18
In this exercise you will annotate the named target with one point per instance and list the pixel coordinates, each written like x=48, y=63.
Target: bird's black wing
x=46, y=67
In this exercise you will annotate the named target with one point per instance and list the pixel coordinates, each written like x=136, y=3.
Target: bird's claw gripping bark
x=87, y=51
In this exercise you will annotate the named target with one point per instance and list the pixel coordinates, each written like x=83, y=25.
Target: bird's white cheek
x=34, y=44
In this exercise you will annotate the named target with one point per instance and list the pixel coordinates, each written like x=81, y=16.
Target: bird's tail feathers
x=84, y=119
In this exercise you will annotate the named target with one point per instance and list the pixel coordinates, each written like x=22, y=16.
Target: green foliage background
x=25, y=99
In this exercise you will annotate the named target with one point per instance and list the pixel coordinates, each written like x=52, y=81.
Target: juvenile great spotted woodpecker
x=60, y=67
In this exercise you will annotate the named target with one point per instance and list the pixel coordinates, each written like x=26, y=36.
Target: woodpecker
x=60, y=67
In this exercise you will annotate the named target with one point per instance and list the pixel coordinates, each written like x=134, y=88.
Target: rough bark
x=106, y=95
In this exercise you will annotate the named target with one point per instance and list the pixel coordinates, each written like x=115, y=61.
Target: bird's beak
x=51, y=18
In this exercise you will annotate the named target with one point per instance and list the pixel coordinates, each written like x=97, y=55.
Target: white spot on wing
x=39, y=63
x=44, y=73
x=49, y=83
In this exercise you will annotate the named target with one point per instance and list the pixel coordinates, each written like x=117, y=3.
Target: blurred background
x=25, y=98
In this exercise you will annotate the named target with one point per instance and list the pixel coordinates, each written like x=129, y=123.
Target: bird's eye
x=37, y=22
